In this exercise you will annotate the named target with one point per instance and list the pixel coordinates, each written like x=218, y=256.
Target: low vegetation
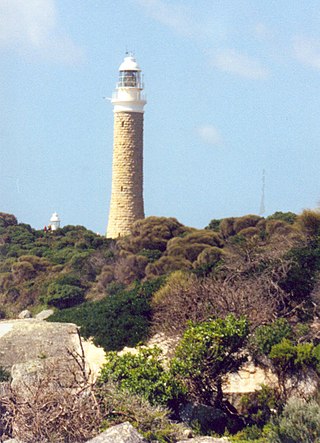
x=243, y=287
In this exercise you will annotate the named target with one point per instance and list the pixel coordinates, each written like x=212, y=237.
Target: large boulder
x=22, y=341
x=27, y=344
x=123, y=433
x=25, y=314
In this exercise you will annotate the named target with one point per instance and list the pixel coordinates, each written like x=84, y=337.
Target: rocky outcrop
x=248, y=379
x=123, y=433
x=126, y=433
x=25, y=314
x=26, y=344
x=22, y=341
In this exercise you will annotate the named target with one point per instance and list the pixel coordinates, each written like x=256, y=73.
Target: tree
x=207, y=352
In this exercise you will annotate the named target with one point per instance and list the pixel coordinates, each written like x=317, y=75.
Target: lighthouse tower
x=128, y=101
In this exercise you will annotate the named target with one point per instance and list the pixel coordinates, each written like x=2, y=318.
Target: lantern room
x=129, y=74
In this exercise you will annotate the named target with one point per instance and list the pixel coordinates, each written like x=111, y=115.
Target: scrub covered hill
x=243, y=287
x=164, y=274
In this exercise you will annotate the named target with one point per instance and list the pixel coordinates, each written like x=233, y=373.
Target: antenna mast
x=262, y=203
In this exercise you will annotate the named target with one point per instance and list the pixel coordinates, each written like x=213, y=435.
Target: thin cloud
x=176, y=17
x=31, y=27
x=210, y=135
x=307, y=51
x=230, y=60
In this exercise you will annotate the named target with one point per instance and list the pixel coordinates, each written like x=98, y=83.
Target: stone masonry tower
x=127, y=167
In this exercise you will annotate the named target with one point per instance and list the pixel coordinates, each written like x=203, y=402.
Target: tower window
x=121, y=189
x=122, y=123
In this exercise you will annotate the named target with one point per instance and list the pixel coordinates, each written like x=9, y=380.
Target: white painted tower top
x=129, y=64
x=128, y=96
x=55, y=221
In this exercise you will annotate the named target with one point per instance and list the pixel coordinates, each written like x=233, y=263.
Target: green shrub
x=64, y=296
x=302, y=275
x=316, y=357
x=142, y=373
x=68, y=279
x=283, y=356
x=288, y=217
x=257, y=406
x=252, y=434
x=151, y=254
x=206, y=353
x=214, y=225
x=304, y=354
x=267, y=336
x=122, y=319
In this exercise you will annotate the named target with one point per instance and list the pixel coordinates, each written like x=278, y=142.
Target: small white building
x=54, y=222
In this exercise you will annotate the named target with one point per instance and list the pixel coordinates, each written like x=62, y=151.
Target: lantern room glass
x=129, y=79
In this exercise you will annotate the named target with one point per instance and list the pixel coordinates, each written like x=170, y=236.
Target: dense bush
x=122, y=319
x=288, y=217
x=152, y=233
x=302, y=275
x=206, y=353
x=143, y=373
x=266, y=336
x=64, y=296
x=31, y=261
x=214, y=225
x=283, y=356
x=259, y=406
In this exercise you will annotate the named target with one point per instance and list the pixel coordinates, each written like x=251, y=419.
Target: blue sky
x=232, y=88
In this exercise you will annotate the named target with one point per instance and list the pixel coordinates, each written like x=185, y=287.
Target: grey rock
x=29, y=339
x=25, y=314
x=123, y=433
x=43, y=315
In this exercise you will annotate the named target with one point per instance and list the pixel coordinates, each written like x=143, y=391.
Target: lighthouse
x=126, y=205
x=54, y=222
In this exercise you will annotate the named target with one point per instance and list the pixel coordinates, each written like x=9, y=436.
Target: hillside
x=251, y=281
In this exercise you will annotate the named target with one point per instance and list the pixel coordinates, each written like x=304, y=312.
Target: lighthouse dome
x=55, y=217
x=129, y=64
